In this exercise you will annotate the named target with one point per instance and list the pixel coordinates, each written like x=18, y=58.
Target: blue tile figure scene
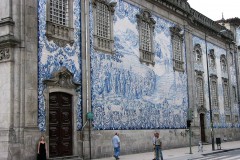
x=76, y=72
x=127, y=94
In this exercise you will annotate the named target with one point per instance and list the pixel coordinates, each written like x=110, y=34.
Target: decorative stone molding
x=8, y=40
x=63, y=78
x=194, y=17
x=201, y=109
x=6, y=21
x=4, y=54
x=146, y=56
x=176, y=31
x=199, y=73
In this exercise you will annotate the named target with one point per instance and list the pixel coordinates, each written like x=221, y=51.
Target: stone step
x=66, y=158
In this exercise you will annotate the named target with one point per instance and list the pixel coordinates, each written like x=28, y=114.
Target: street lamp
x=209, y=96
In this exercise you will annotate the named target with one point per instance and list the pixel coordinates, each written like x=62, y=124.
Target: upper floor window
x=103, y=12
x=60, y=22
x=198, y=53
x=236, y=119
x=234, y=93
x=59, y=12
x=216, y=118
x=146, y=26
x=225, y=92
x=214, y=91
x=228, y=118
x=212, y=58
x=199, y=88
x=177, y=42
x=223, y=63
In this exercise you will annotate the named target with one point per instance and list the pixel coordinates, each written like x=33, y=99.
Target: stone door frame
x=62, y=81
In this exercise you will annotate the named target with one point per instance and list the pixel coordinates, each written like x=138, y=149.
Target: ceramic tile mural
x=238, y=36
x=51, y=58
x=217, y=71
x=129, y=95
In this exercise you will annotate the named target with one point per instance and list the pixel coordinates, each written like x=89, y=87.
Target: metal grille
x=214, y=94
x=146, y=37
x=103, y=21
x=177, y=48
x=59, y=12
x=200, y=98
x=225, y=93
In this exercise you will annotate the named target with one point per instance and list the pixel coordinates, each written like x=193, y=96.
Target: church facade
x=137, y=66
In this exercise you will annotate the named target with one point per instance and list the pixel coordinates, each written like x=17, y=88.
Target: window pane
x=59, y=11
x=103, y=21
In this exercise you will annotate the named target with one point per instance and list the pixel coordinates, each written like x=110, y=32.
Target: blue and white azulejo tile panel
x=52, y=57
x=221, y=111
x=129, y=95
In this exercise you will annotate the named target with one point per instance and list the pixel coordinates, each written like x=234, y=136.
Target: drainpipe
x=87, y=73
x=209, y=97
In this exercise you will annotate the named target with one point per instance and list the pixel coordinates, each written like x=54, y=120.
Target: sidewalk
x=180, y=153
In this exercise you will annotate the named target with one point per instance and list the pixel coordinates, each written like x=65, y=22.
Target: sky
x=213, y=9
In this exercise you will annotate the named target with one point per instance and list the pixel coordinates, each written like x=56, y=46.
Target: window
x=177, y=42
x=103, y=12
x=236, y=119
x=234, y=93
x=199, y=89
x=225, y=92
x=212, y=62
x=198, y=53
x=60, y=22
x=216, y=118
x=146, y=26
x=59, y=12
x=228, y=118
x=213, y=89
x=223, y=63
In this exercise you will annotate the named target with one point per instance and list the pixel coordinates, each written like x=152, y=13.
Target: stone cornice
x=183, y=8
x=6, y=21
x=8, y=40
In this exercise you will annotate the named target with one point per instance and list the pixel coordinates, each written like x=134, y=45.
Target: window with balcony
x=146, y=26
x=103, y=13
x=214, y=91
x=177, y=43
x=225, y=92
x=59, y=25
x=199, y=89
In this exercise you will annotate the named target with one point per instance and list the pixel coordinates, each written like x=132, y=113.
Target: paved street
x=229, y=151
x=230, y=155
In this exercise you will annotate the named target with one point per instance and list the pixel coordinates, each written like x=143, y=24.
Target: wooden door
x=60, y=124
x=202, y=125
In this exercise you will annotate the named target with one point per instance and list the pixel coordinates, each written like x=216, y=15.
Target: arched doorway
x=202, y=127
x=60, y=124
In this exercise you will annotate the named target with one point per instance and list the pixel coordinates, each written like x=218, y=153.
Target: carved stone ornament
x=4, y=54
x=63, y=78
x=176, y=31
x=111, y=5
x=201, y=109
x=146, y=16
